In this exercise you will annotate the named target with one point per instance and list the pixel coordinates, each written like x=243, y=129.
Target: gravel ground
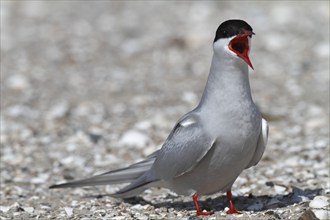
x=91, y=86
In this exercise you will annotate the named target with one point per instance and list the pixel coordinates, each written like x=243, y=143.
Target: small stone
x=118, y=217
x=308, y=215
x=189, y=97
x=270, y=184
x=18, y=83
x=143, y=125
x=15, y=205
x=319, y=202
x=20, y=110
x=44, y=207
x=138, y=207
x=244, y=190
x=292, y=161
x=134, y=138
x=322, y=214
x=20, y=209
x=161, y=121
x=16, y=213
x=279, y=189
x=58, y=111
x=315, y=123
x=179, y=215
x=42, y=178
x=28, y=209
x=321, y=144
x=105, y=160
x=101, y=212
x=4, y=208
x=68, y=211
x=274, y=203
x=322, y=49
x=273, y=214
x=73, y=160
x=299, y=195
x=256, y=206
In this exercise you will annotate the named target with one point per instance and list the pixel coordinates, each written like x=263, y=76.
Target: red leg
x=198, y=211
x=232, y=209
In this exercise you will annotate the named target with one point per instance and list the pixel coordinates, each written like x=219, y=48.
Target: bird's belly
x=217, y=171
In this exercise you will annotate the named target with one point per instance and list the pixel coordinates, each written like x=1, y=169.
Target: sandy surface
x=88, y=87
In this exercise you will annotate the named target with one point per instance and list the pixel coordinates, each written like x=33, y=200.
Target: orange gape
x=240, y=46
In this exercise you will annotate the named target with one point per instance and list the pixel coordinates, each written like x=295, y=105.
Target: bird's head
x=233, y=37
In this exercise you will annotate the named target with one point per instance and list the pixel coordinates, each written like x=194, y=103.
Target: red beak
x=240, y=46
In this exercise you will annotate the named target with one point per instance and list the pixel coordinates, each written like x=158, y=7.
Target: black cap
x=231, y=28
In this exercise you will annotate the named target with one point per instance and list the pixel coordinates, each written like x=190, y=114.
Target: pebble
x=68, y=211
x=4, y=208
x=315, y=123
x=28, y=209
x=279, y=189
x=256, y=206
x=102, y=160
x=118, y=217
x=58, y=111
x=101, y=212
x=244, y=190
x=73, y=160
x=142, y=217
x=41, y=178
x=161, y=121
x=319, y=202
x=322, y=49
x=18, y=82
x=308, y=215
x=137, y=206
x=134, y=138
x=189, y=97
x=140, y=207
x=274, y=203
x=322, y=214
x=21, y=110
x=143, y=125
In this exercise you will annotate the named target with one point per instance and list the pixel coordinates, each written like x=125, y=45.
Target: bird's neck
x=227, y=84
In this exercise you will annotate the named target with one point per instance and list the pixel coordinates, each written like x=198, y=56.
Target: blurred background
x=90, y=86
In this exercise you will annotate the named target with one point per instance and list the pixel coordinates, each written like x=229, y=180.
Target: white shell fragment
x=134, y=138
x=319, y=202
x=68, y=211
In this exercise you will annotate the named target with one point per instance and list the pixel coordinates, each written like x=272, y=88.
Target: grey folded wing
x=186, y=145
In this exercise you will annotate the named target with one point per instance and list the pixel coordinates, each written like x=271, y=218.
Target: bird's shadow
x=242, y=203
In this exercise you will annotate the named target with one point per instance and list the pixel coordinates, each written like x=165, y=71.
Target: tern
x=211, y=145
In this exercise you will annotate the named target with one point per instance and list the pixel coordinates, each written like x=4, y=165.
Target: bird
x=211, y=145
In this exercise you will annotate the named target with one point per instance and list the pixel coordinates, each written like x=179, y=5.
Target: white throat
x=228, y=81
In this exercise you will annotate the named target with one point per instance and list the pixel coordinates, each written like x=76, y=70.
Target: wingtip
x=63, y=185
x=54, y=186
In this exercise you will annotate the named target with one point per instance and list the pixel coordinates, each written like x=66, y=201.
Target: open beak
x=240, y=46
